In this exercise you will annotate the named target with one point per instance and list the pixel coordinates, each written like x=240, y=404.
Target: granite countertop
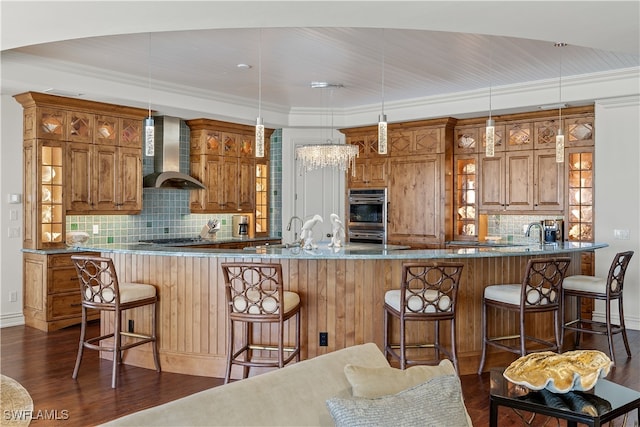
x=350, y=251
x=150, y=246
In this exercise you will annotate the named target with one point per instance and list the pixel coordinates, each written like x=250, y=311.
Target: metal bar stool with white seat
x=101, y=290
x=599, y=288
x=255, y=294
x=540, y=291
x=428, y=292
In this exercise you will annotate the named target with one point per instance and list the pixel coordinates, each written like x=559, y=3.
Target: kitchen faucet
x=295, y=234
x=534, y=224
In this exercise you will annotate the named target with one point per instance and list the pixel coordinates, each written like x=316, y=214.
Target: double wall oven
x=367, y=210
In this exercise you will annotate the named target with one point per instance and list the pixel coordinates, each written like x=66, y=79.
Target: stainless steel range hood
x=167, y=158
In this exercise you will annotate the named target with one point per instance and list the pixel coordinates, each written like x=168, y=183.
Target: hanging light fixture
x=382, y=119
x=339, y=156
x=317, y=156
x=149, y=125
x=490, y=130
x=560, y=133
x=259, y=122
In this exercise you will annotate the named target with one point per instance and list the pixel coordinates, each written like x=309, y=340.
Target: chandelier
x=339, y=156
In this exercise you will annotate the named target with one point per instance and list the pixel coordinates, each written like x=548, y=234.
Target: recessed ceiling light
x=244, y=66
x=322, y=85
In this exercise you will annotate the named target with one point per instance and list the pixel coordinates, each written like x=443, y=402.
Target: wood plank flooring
x=43, y=363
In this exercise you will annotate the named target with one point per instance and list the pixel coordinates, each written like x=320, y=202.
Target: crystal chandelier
x=339, y=156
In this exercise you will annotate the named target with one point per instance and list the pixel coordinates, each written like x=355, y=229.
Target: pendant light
x=382, y=119
x=560, y=133
x=490, y=130
x=259, y=122
x=149, y=125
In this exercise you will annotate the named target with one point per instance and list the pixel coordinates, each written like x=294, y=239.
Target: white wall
x=617, y=196
x=10, y=183
x=316, y=192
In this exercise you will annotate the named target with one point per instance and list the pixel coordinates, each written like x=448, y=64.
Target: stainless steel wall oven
x=367, y=215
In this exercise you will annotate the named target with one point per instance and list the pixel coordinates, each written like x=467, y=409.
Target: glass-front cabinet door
x=580, y=196
x=51, y=195
x=262, y=199
x=466, y=214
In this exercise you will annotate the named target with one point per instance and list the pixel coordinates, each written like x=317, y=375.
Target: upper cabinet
x=523, y=175
x=80, y=157
x=371, y=169
x=223, y=159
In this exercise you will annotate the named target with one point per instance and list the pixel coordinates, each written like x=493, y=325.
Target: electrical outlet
x=324, y=339
x=130, y=325
x=13, y=296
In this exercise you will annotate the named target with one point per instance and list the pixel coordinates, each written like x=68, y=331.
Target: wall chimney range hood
x=167, y=159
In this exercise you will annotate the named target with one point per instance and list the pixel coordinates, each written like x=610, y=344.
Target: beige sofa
x=296, y=395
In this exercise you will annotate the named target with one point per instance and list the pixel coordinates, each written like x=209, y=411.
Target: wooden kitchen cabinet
x=104, y=179
x=580, y=198
x=44, y=213
x=101, y=167
x=371, y=169
x=223, y=159
x=466, y=197
x=51, y=291
x=506, y=181
x=262, y=213
x=549, y=182
x=369, y=173
x=416, y=197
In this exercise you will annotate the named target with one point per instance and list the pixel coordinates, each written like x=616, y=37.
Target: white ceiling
x=418, y=63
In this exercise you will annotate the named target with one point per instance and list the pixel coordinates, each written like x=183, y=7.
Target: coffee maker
x=553, y=230
x=240, y=226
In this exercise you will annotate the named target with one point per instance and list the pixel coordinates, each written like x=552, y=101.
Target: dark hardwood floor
x=43, y=362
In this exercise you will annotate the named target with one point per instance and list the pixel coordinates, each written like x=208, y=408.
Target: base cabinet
x=51, y=291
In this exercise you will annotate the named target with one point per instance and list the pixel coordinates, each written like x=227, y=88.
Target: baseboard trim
x=630, y=322
x=13, y=319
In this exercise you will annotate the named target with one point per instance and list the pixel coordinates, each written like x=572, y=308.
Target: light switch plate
x=621, y=234
x=96, y=229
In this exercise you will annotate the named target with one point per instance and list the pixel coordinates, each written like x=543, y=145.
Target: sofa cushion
x=375, y=382
x=436, y=402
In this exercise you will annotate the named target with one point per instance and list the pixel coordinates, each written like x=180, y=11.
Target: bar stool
x=428, y=292
x=255, y=294
x=599, y=288
x=540, y=291
x=101, y=290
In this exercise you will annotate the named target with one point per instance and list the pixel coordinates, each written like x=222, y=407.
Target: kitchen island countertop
x=350, y=251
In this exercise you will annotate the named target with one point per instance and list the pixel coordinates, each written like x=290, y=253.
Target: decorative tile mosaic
x=512, y=228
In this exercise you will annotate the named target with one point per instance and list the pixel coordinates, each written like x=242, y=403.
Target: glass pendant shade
x=559, y=146
x=149, y=136
x=259, y=138
x=382, y=134
x=490, y=138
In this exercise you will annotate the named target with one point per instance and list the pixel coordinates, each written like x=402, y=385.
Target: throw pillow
x=437, y=402
x=376, y=382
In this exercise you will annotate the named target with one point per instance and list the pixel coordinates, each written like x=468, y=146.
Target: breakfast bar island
x=342, y=292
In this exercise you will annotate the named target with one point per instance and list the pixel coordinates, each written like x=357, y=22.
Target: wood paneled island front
x=342, y=292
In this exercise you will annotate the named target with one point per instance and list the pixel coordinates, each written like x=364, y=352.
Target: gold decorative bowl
x=559, y=373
